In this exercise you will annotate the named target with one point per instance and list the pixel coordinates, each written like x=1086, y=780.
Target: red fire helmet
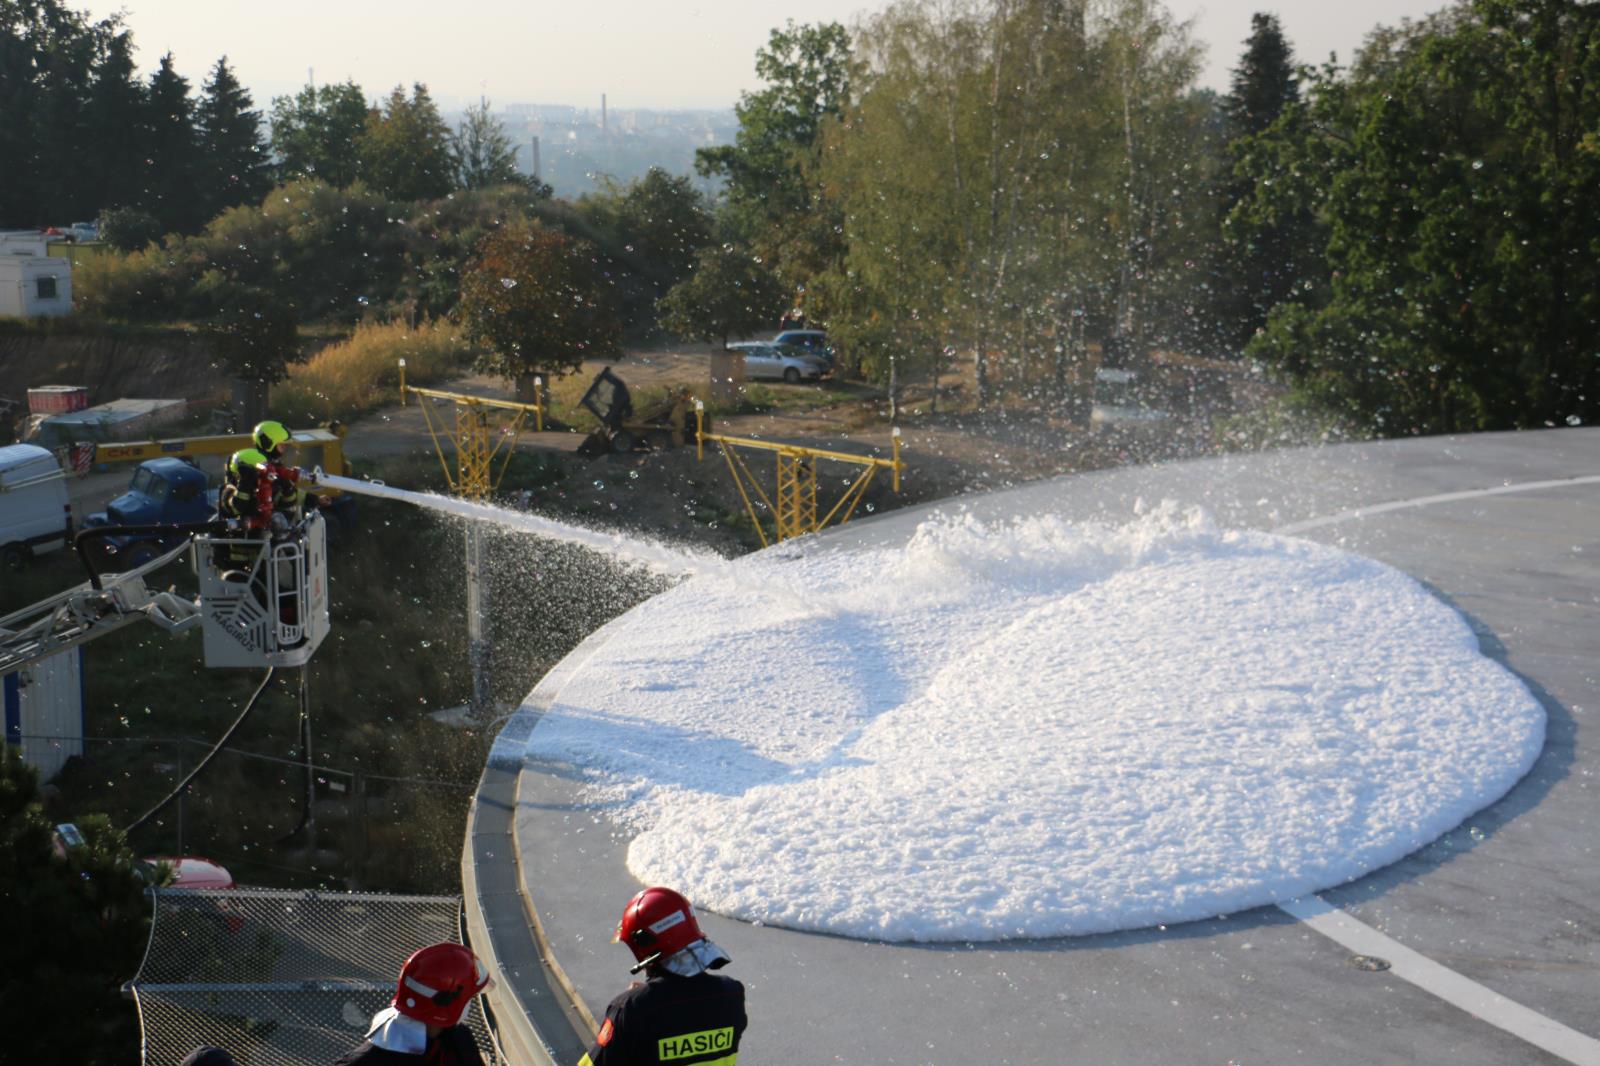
x=657, y=924
x=438, y=982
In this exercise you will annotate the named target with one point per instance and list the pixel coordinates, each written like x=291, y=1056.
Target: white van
x=35, y=514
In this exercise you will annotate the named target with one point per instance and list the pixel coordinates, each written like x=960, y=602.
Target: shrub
x=352, y=377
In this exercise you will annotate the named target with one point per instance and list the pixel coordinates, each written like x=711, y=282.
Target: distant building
x=580, y=147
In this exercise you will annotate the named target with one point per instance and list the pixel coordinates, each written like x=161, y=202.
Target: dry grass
x=351, y=377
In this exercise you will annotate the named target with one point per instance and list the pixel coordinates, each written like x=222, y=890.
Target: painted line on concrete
x=1481, y=1002
x=1424, y=501
x=1361, y=939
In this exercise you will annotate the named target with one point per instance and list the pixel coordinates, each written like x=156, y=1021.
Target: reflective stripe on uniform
x=688, y=1045
x=731, y=1059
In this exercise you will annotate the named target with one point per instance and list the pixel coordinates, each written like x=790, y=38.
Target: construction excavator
x=666, y=423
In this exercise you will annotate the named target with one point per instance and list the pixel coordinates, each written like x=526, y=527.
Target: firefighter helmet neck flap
x=438, y=982
x=659, y=927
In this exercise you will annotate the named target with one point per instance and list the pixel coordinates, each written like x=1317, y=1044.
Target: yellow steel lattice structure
x=796, y=512
x=794, y=508
x=478, y=443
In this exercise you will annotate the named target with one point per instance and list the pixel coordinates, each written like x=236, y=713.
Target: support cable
x=306, y=813
x=212, y=754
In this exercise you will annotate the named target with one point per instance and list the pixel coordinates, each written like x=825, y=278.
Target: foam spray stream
x=657, y=557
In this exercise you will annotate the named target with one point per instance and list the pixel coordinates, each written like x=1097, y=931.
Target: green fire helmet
x=244, y=457
x=270, y=436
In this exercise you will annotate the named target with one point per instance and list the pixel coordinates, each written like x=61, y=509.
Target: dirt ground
x=673, y=495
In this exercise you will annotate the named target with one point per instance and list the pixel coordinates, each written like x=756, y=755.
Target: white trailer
x=35, y=286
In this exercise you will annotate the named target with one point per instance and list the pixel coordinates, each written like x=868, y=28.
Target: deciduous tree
x=729, y=292
x=316, y=132
x=1008, y=169
x=1464, y=292
x=538, y=302
x=661, y=222
x=770, y=171
x=74, y=925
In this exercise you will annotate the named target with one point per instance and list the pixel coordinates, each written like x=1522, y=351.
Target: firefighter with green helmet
x=272, y=439
x=237, y=499
x=239, y=504
x=284, y=491
x=260, y=492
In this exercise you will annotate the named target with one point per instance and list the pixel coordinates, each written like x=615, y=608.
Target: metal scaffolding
x=794, y=503
x=477, y=443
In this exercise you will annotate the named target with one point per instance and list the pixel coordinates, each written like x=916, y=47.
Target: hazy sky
x=641, y=53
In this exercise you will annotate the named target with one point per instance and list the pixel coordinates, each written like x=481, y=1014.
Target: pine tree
x=1264, y=82
x=405, y=150
x=233, y=164
x=1261, y=264
x=114, y=155
x=47, y=53
x=171, y=148
x=483, y=151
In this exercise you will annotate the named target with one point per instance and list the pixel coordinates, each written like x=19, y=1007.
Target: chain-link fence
x=280, y=978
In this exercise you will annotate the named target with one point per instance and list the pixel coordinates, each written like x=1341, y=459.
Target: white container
x=35, y=286
x=44, y=711
x=35, y=513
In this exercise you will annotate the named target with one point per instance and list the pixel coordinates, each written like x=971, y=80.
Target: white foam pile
x=656, y=556
x=1038, y=729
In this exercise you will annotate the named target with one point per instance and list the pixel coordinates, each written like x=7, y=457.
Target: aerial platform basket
x=272, y=611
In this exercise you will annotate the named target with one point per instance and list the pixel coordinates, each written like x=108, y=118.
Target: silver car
x=763, y=360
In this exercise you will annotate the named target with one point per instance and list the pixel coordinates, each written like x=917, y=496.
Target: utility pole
x=478, y=625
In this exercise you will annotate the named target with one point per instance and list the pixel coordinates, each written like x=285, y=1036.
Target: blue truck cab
x=162, y=492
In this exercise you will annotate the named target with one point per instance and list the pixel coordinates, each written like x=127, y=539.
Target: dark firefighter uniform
x=452, y=1047
x=240, y=501
x=240, y=484
x=686, y=1021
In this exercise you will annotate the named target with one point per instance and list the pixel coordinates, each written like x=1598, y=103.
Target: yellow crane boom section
x=315, y=447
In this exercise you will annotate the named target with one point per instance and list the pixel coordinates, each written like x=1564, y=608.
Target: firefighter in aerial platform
x=682, y=1013
x=290, y=484
x=239, y=504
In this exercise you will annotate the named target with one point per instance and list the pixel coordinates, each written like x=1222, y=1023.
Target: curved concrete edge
x=509, y=1016
x=539, y=1016
x=1278, y=490
x=552, y=964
